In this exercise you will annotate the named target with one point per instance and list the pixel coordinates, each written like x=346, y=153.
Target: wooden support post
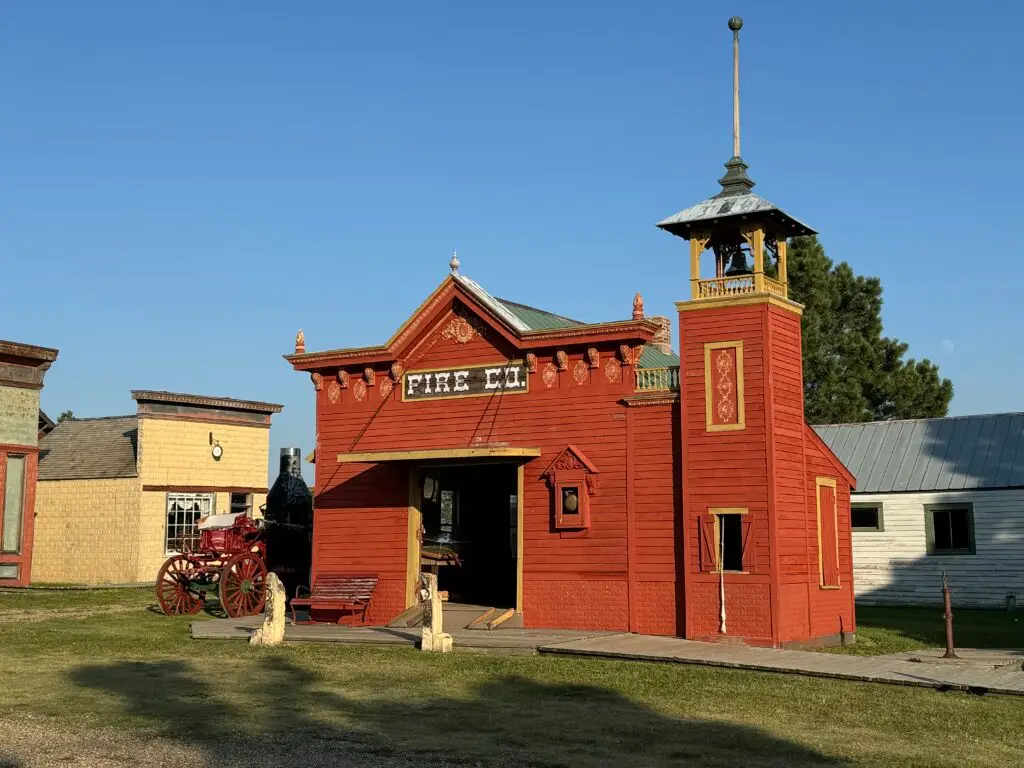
x=756, y=240
x=696, y=246
x=780, y=246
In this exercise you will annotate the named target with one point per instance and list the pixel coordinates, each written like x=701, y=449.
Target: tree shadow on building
x=299, y=718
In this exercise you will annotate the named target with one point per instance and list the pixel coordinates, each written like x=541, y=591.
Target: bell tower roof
x=736, y=202
x=730, y=209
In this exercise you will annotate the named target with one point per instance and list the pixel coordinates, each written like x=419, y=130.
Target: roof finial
x=735, y=24
x=300, y=342
x=735, y=181
x=454, y=263
x=638, y=306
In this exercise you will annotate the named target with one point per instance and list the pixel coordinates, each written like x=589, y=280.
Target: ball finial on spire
x=454, y=263
x=638, y=306
x=735, y=23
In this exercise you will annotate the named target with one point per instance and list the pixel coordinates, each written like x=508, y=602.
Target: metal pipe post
x=947, y=606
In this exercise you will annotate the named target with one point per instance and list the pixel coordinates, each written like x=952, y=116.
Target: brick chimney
x=663, y=336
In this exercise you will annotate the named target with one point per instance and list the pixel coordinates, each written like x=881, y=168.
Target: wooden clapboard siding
x=769, y=468
x=893, y=565
x=572, y=579
x=360, y=525
x=656, y=536
x=794, y=520
x=726, y=469
x=831, y=611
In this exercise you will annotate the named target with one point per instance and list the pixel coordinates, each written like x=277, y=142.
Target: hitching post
x=947, y=606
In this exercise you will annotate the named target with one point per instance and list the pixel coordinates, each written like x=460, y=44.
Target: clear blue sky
x=184, y=185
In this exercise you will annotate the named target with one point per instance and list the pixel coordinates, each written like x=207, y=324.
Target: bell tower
x=751, y=560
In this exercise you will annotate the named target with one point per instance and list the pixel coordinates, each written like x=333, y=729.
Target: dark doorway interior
x=469, y=516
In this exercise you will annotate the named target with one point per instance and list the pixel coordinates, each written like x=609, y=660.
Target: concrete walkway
x=977, y=671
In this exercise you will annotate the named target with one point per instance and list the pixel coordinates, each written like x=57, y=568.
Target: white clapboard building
x=936, y=495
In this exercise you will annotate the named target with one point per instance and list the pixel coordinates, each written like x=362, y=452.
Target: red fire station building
x=581, y=475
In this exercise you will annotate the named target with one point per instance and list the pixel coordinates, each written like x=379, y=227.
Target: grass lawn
x=891, y=630
x=136, y=672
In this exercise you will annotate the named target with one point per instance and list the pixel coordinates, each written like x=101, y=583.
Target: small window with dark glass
x=241, y=503
x=950, y=529
x=570, y=500
x=866, y=517
x=730, y=532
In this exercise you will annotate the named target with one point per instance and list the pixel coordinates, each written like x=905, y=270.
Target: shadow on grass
x=298, y=718
x=924, y=627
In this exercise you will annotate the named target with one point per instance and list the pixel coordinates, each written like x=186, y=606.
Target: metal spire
x=735, y=24
x=735, y=181
x=454, y=263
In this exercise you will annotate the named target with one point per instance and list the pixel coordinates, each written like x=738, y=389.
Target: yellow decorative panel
x=723, y=386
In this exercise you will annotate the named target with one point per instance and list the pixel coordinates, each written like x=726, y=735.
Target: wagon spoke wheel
x=243, y=585
x=174, y=589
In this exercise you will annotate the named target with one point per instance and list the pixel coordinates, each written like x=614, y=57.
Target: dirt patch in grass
x=50, y=742
x=67, y=613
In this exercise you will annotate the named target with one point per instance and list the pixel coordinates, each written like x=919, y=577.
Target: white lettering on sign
x=512, y=379
x=474, y=380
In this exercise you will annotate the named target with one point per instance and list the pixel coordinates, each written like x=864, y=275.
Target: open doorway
x=469, y=532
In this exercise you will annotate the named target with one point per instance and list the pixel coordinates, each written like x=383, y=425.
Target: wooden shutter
x=708, y=546
x=749, y=564
x=828, y=540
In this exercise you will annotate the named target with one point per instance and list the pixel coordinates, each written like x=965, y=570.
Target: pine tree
x=853, y=373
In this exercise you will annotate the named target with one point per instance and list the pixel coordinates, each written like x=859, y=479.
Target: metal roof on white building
x=953, y=453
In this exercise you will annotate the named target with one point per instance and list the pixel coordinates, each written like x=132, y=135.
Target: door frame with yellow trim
x=415, y=520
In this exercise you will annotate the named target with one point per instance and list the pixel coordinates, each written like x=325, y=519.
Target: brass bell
x=570, y=501
x=738, y=264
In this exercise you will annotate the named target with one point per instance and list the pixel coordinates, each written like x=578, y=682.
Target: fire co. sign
x=470, y=381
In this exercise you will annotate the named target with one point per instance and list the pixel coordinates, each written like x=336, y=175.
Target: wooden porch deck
x=499, y=640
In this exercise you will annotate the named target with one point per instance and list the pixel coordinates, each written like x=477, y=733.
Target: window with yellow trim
x=725, y=537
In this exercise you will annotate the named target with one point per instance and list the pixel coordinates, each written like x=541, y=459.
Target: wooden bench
x=336, y=592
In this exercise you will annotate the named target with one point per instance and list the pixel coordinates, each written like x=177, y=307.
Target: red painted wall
x=657, y=535
x=570, y=579
x=360, y=527
x=637, y=567
x=770, y=468
x=831, y=610
x=726, y=469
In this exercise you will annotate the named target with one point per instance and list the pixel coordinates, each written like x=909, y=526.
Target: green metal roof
x=537, y=319
x=652, y=357
x=527, y=318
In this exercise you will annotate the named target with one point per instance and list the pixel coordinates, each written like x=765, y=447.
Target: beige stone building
x=117, y=495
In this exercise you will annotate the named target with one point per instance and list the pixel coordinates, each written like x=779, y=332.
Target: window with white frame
x=241, y=503
x=183, y=513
